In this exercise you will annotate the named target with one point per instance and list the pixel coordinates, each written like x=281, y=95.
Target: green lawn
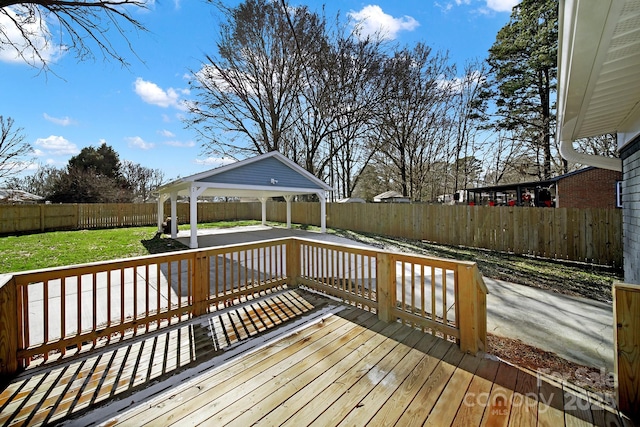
x=58, y=248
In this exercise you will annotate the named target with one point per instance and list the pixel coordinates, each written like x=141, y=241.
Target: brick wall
x=631, y=211
x=592, y=188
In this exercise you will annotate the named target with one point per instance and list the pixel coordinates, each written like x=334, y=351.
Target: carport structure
x=264, y=176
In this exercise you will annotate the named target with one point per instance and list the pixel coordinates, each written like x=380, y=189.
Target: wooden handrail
x=50, y=313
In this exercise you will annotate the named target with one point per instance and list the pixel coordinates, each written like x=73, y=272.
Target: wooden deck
x=292, y=358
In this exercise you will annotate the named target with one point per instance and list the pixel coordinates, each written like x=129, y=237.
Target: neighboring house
x=390, y=197
x=590, y=187
x=351, y=200
x=18, y=196
x=599, y=93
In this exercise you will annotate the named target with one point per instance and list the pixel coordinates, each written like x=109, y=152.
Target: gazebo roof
x=266, y=175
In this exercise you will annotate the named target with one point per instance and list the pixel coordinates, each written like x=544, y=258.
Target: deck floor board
x=292, y=358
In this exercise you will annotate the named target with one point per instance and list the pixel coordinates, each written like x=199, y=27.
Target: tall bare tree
x=250, y=89
x=15, y=153
x=414, y=115
x=31, y=30
x=142, y=180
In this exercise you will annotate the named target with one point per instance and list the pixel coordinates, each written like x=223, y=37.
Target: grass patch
x=36, y=251
x=59, y=248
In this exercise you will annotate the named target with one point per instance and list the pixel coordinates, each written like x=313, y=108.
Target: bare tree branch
x=14, y=151
x=81, y=27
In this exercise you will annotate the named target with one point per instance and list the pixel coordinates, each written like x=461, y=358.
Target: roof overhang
x=598, y=72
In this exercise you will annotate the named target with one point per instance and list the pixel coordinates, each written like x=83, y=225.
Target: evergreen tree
x=523, y=63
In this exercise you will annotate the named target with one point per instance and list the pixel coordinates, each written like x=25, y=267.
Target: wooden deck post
x=200, y=280
x=8, y=326
x=293, y=262
x=626, y=345
x=386, y=286
x=470, y=311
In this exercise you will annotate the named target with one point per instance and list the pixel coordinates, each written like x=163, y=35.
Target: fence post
x=293, y=261
x=200, y=280
x=386, y=286
x=8, y=326
x=470, y=310
x=626, y=342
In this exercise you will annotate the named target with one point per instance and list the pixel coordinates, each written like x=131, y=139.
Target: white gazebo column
x=162, y=197
x=193, y=214
x=323, y=212
x=174, y=215
x=288, y=199
x=263, y=201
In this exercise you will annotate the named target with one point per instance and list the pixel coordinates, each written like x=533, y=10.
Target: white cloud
x=185, y=144
x=166, y=133
x=214, y=161
x=458, y=84
x=17, y=49
x=502, y=5
x=153, y=94
x=372, y=20
x=56, y=145
x=136, y=141
x=62, y=121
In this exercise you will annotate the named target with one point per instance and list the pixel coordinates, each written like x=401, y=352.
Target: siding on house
x=631, y=210
x=591, y=188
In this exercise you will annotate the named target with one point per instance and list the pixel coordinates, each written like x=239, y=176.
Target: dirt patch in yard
x=550, y=365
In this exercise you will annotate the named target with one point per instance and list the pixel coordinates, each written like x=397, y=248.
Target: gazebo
x=264, y=176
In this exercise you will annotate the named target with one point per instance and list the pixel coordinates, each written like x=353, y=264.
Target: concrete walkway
x=576, y=329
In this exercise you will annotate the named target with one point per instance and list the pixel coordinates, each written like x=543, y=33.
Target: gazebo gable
x=267, y=172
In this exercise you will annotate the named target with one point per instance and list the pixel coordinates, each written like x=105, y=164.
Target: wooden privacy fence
x=51, y=314
x=587, y=235
x=50, y=217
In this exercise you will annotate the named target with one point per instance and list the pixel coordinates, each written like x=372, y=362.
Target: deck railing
x=49, y=314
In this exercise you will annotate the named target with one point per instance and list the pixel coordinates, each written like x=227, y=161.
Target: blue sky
x=138, y=110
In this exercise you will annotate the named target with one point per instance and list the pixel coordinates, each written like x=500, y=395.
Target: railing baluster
x=169, y=280
x=422, y=292
x=122, y=316
x=158, y=293
x=403, y=287
x=433, y=296
x=63, y=311
x=45, y=309
x=109, y=298
x=444, y=295
x=79, y=307
x=413, y=288
x=94, y=291
x=146, y=295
